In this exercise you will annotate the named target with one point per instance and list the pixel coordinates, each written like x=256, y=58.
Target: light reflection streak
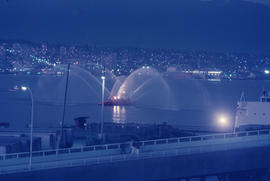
x=119, y=114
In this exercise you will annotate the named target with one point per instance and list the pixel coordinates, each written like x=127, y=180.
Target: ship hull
x=118, y=102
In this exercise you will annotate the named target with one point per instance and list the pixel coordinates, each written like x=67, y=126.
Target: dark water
x=196, y=103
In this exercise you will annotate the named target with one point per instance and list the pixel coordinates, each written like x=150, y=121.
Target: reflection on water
x=119, y=114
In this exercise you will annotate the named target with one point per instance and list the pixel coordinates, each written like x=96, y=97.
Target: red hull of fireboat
x=118, y=102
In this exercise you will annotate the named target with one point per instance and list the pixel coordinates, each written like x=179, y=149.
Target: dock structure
x=228, y=156
x=42, y=139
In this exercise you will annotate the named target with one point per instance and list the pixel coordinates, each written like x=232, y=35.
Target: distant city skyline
x=218, y=25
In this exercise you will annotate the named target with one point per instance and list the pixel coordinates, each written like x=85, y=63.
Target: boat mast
x=62, y=140
x=242, y=98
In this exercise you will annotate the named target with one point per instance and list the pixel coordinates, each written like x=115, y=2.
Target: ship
x=116, y=101
x=253, y=115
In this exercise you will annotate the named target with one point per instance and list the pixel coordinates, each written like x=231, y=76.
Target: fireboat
x=116, y=101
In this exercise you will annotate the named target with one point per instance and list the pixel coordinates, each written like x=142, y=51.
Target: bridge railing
x=128, y=157
x=106, y=147
x=83, y=162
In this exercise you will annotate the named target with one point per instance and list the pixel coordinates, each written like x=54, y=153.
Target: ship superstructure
x=253, y=114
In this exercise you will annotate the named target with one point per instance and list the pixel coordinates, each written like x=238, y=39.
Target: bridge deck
x=102, y=154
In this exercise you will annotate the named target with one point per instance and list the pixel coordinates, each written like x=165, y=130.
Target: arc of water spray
x=86, y=83
x=92, y=76
x=155, y=75
x=142, y=85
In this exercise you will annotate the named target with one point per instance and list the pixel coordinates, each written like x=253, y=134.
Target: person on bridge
x=124, y=148
x=135, y=148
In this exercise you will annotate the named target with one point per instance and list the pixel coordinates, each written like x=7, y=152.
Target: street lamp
x=223, y=121
x=24, y=88
x=102, y=107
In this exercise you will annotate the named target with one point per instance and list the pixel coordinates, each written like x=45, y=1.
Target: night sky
x=218, y=25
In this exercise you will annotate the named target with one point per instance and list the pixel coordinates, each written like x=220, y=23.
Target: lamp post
x=24, y=88
x=102, y=108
